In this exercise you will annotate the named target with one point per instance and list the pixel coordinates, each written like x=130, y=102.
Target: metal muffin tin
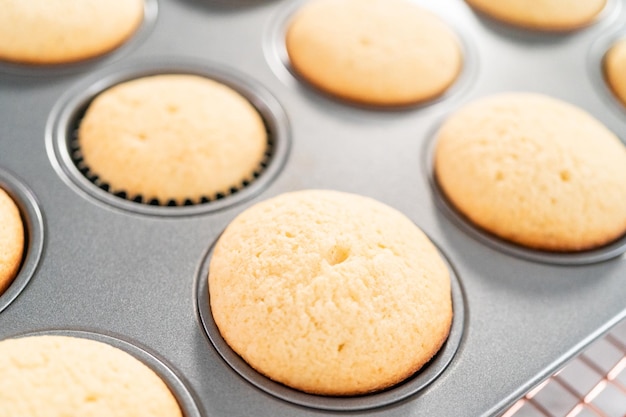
x=134, y=275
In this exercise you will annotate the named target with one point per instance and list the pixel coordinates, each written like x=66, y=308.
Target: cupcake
x=69, y=376
x=373, y=52
x=11, y=240
x=172, y=138
x=63, y=31
x=329, y=293
x=544, y=15
x=615, y=69
x=535, y=171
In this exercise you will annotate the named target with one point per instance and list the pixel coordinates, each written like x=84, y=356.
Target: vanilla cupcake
x=172, y=137
x=11, y=240
x=69, y=376
x=534, y=170
x=375, y=52
x=615, y=69
x=544, y=15
x=329, y=293
x=63, y=31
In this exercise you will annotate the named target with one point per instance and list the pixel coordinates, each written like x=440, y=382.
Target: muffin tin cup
x=585, y=257
x=53, y=70
x=185, y=398
x=278, y=59
x=403, y=390
x=32, y=220
x=66, y=114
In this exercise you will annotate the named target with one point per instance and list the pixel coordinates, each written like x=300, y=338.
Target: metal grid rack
x=591, y=385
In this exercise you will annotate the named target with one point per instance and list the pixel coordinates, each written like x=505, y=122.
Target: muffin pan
x=134, y=272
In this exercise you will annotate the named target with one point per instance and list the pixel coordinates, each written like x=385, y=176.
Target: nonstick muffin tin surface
x=103, y=267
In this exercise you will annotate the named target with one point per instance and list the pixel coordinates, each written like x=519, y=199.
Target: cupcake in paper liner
x=171, y=139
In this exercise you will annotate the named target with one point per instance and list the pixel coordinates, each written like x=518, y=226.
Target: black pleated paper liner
x=65, y=155
x=32, y=220
x=585, y=257
x=184, y=396
x=410, y=386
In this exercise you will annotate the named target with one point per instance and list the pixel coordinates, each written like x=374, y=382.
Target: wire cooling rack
x=591, y=385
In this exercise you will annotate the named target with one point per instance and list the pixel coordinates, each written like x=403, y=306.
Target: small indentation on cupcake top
x=365, y=41
x=338, y=254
